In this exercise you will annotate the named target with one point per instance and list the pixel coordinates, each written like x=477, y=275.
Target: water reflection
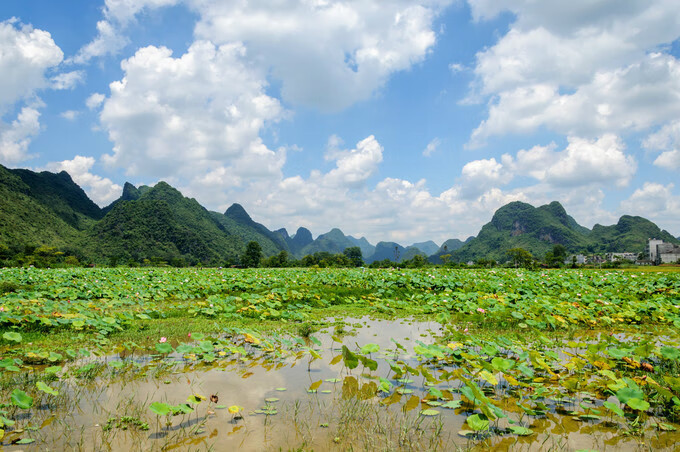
x=305, y=397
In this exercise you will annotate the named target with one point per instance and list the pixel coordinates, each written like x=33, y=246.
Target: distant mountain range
x=159, y=222
x=538, y=229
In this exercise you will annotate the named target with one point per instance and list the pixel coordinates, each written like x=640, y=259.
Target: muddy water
x=295, y=401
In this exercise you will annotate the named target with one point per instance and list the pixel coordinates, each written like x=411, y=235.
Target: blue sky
x=408, y=120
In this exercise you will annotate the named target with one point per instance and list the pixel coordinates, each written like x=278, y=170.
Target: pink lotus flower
x=465, y=330
x=163, y=339
x=189, y=335
x=481, y=310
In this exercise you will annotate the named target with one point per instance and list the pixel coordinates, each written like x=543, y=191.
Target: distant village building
x=578, y=259
x=660, y=252
x=667, y=253
x=650, y=249
x=596, y=259
x=613, y=257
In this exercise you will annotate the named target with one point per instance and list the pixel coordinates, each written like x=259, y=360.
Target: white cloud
x=353, y=168
x=667, y=140
x=455, y=68
x=26, y=54
x=656, y=202
x=392, y=209
x=478, y=176
x=123, y=11
x=669, y=160
x=583, y=68
x=69, y=115
x=110, y=38
x=633, y=98
x=188, y=116
x=95, y=100
x=68, y=80
x=109, y=41
x=582, y=163
x=328, y=54
x=15, y=137
x=432, y=147
x=100, y=190
x=406, y=211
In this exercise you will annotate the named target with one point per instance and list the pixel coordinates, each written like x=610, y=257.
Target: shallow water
x=342, y=411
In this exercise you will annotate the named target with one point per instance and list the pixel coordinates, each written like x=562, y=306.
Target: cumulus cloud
x=403, y=210
x=111, y=38
x=327, y=54
x=101, y=190
x=109, y=41
x=68, y=80
x=666, y=140
x=669, y=160
x=354, y=167
x=344, y=197
x=15, y=137
x=95, y=100
x=478, y=176
x=184, y=117
x=27, y=54
x=583, y=162
x=582, y=68
x=632, y=98
x=656, y=202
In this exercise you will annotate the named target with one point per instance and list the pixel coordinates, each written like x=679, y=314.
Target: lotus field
x=338, y=359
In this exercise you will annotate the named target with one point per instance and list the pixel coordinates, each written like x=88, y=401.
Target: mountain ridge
x=51, y=209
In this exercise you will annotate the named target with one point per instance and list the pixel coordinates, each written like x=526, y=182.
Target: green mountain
x=42, y=209
x=163, y=224
x=428, y=248
x=629, y=234
x=332, y=242
x=387, y=250
x=63, y=196
x=238, y=223
x=366, y=248
x=159, y=222
x=130, y=193
x=299, y=241
x=447, y=248
x=538, y=229
x=450, y=245
x=410, y=252
x=521, y=225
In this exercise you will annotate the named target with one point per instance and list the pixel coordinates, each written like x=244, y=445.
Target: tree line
x=253, y=256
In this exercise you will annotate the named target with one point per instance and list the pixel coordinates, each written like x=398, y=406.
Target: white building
x=667, y=253
x=660, y=252
x=579, y=259
x=650, y=249
x=612, y=257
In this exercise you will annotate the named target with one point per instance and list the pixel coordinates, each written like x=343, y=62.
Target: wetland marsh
x=292, y=359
